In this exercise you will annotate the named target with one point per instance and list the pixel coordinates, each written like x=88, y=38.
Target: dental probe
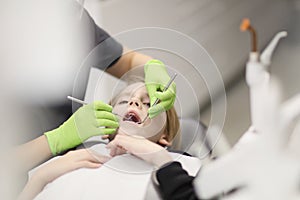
x=77, y=100
x=84, y=103
x=157, y=100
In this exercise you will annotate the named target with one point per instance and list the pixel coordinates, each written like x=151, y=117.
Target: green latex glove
x=89, y=120
x=156, y=78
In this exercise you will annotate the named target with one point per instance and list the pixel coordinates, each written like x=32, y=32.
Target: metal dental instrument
x=157, y=100
x=77, y=100
x=85, y=103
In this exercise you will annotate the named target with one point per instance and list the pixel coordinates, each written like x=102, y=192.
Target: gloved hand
x=156, y=78
x=89, y=120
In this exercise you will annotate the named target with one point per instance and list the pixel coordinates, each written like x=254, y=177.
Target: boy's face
x=133, y=104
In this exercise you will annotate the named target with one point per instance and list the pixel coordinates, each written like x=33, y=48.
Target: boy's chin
x=131, y=123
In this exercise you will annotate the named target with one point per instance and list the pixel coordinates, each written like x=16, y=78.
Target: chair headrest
x=194, y=140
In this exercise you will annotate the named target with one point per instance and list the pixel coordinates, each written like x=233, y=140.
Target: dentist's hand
x=156, y=78
x=89, y=120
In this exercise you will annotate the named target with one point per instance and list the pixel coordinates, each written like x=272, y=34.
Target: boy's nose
x=135, y=103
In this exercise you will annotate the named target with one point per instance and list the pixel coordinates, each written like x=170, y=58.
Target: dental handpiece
x=84, y=103
x=157, y=100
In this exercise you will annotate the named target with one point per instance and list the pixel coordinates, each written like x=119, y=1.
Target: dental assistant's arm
x=129, y=60
x=33, y=153
x=174, y=182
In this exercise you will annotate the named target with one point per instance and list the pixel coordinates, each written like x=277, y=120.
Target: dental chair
x=193, y=137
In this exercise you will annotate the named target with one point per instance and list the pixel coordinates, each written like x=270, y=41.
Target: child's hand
x=45, y=174
x=73, y=160
x=140, y=147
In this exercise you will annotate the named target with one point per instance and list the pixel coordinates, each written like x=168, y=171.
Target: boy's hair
x=172, y=126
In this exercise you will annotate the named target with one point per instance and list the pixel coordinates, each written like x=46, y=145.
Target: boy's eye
x=147, y=104
x=123, y=102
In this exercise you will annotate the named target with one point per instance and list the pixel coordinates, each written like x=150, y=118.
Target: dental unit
x=261, y=160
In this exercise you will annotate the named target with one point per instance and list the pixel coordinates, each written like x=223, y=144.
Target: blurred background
x=215, y=25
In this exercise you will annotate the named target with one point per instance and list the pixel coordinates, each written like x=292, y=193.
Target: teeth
x=131, y=117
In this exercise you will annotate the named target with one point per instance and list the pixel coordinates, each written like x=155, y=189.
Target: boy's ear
x=164, y=141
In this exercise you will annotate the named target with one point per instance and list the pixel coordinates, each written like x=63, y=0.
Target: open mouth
x=132, y=117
